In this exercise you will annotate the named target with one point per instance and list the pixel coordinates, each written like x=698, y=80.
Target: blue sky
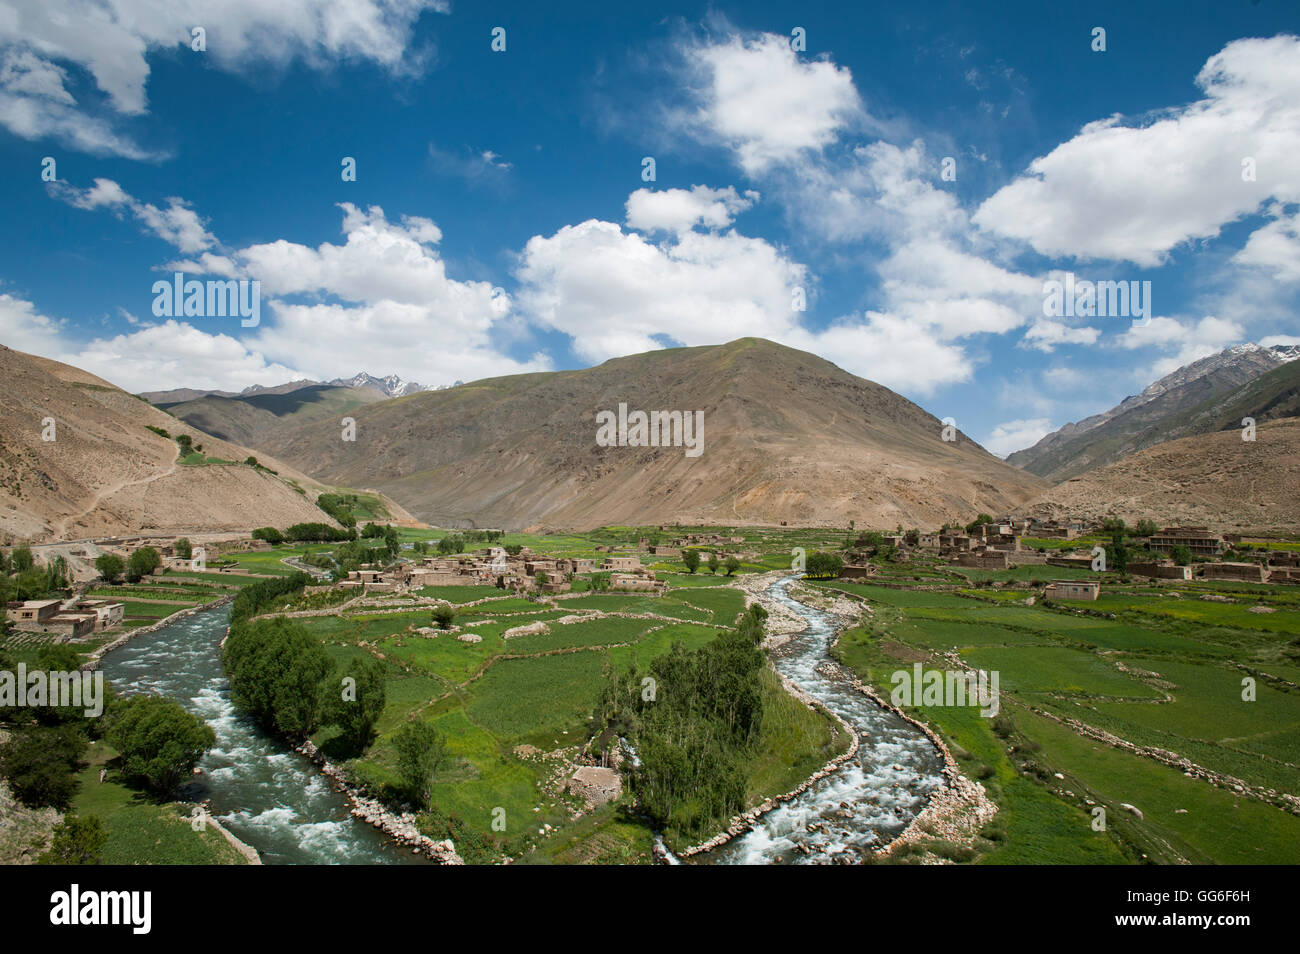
x=500, y=221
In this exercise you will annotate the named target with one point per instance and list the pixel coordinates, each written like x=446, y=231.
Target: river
x=871, y=798
x=275, y=800
x=269, y=796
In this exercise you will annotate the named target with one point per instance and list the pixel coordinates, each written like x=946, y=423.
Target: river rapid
x=871, y=798
x=274, y=799
x=269, y=796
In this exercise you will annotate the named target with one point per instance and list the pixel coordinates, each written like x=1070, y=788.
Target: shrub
x=77, y=841
x=39, y=762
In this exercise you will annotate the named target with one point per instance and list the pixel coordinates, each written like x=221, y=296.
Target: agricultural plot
x=1162, y=674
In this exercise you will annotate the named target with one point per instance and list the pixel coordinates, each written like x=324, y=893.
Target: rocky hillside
x=105, y=472
x=1217, y=479
x=788, y=437
x=1177, y=405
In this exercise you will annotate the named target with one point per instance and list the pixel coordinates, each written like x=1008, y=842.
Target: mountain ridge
x=1137, y=421
x=788, y=436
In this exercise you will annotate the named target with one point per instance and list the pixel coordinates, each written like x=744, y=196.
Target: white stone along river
x=275, y=800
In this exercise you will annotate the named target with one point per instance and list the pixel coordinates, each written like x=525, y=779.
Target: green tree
x=714, y=563
x=141, y=563
x=39, y=762
x=732, y=565
x=823, y=564
x=158, y=741
x=21, y=559
x=1144, y=528
x=110, y=566
x=78, y=840
x=444, y=616
x=692, y=560
x=421, y=751
x=357, y=705
x=278, y=672
x=1117, y=552
x=1181, y=554
x=184, y=549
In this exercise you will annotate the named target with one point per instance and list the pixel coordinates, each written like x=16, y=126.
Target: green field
x=1155, y=665
x=1151, y=669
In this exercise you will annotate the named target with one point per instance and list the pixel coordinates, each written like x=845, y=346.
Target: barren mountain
x=787, y=436
x=1179, y=404
x=245, y=418
x=105, y=472
x=1218, y=480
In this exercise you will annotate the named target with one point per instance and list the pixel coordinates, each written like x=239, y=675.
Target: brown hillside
x=788, y=436
x=106, y=473
x=1216, y=479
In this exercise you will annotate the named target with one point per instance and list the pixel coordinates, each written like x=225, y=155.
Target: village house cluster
x=521, y=572
x=999, y=545
x=72, y=618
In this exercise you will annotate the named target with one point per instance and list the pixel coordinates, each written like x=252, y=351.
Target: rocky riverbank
x=955, y=812
x=126, y=637
x=400, y=827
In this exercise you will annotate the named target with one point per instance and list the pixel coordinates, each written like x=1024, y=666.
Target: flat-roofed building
x=1072, y=590
x=108, y=614
x=1249, y=572
x=622, y=563
x=31, y=611
x=1160, y=571
x=1199, y=540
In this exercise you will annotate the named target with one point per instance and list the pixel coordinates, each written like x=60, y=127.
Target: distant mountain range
x=389, y=386
x=1211, y=394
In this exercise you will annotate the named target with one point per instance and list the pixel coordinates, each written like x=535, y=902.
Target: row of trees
x=158, y=742
x=138, y=565
x=21, y=578
x=280, y=673
x=692, y=560
x=693, y=718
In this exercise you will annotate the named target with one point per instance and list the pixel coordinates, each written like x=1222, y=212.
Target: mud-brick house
x=853, y=571
x=636, y=583
x=1199, y=540
x=1160, y=571
x=953, y=542
x=622, y=564
x=107, y=613
x=1247, y=572
x=984, y=560
x=30, y=612
x=541, y=565
x=1072, y=590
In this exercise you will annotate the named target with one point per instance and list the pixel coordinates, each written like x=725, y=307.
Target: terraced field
x=514, y=710
x=1158, y=669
